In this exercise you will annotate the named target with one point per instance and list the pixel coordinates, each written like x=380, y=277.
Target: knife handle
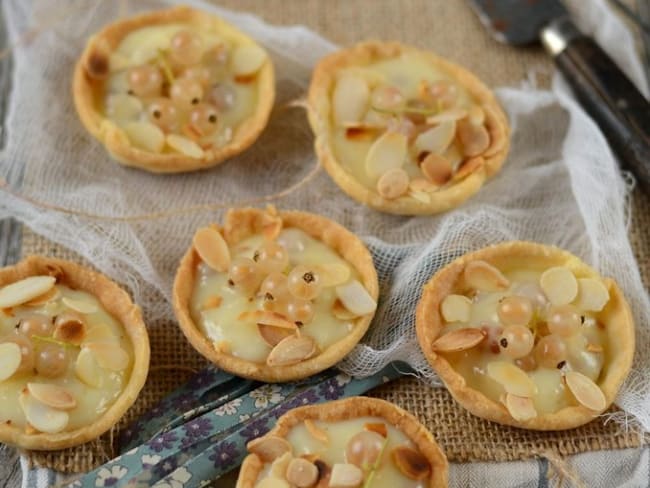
x=611, y=99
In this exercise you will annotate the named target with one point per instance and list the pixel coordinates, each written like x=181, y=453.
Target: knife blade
x=608, y=96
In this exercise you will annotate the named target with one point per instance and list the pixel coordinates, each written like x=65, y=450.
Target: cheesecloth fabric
x=560, y=185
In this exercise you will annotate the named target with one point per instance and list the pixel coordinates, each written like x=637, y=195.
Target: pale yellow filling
x=244, y=341
x=92, y=403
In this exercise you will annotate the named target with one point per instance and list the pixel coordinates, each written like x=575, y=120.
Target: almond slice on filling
x=377, y=427
x=451, y=115
x=302, y=473
x=291, y=350
x=247, y=60
x=436, y=169
x=473, y=139
x=267, y=317
x=340, y=312
x=273, y=335
x=212, y=248
x=456, y=308
x=355, y=298
x=87, y=369
x=521, y=408
x=24, y=290
x=81, y=305
x=42, y=417
x=316, y=432
x=388, y=152
x=10, y=359
x=110, y=355
x=184, y=146
x=559, y=285
x=593, y=295
x=459, y=340
x=345, y=476
x=393, y=184
x=269, y=448
x=333, y=274
x=46, y=297
x=52, y=395
x=350, y=99
x=437, y=139
x=69, y=327
x=483, y=276
x=411, y=463
x=586, y=391
x=513, y=379
x=146, y=136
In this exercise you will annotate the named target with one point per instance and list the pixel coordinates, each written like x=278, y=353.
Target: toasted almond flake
x=496, y=131
x=482, y=276
x=454, y=156
x=436, y=169
x=421, y=185
x=513, y=379
x=84, y=306
x=361, y=133
x=10, y=359
x=377, y=427
x=316, y=432
x=355, y=298
x=468, y=167
x=437, y=139
x=222, y=346
x=46, y=297
x=474, y=139
x=393, y=184
x=185, y=146
x=267, y=317
x=52, y=395
x=212, y=248
x=594, y=347
x=69, y=327
x=456, y=308
x=123, y=108
x=42, y=417
x=521, y=408
x=273, y=483
x=146, y=136
x=333, y=274
x=269, y=447
x=301, y=473
x=476, y=115
x=110, y=355
x=459, y=340
x=350, y=99
x=213, y=301
x=291, y=350
x=247, y=60
x=411, y=463
x=559, y=285
x=9, y=311
x=87, y=369
x=388, y=152
x=279, y=465
x=24, y=290
x=592, y=295
x=420, y=196
x=99, y=333
x=340, y=312
x=450, y=115
x=586, y=391
x=274, y=335
x=345, y=476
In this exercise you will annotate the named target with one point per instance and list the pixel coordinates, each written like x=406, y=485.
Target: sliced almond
x=593, y=295
x=456, y=308
x=87, y=369
x=69, y=327
x=459, y=340
x=474, y=139
x=437, y=139
x=345, y=476
x=361, y=132
x=247, y=60
x=411, y=463
x=273, y=335
x=521, y=408
x=52, y=395
x=333, y=274
x=267, y=317
x=24, y=290
x=513, y=379
x=468, y=167
x=212, y=248
x=46, y=297
x=355, y=298
x=123, y=108
x=559, y=285
x=340, y=312
x=377, y=427
x=482, y=276
x=586, y=391
x=110, y=355
x=84, y=306
x=451, y=115
x=291, y=350
x=302, y=473
x=436, y=169
x=393, y=184
x=594, y=347
x=388, y=152
x=269, y=447
x=10, y=359
x=185, y=146
x=280, y=464
x=146, y=136
x=387, y=97
x=99, y=333
x=350, y=99
x=316, y=432
x=476, y=115
x=42, y=417
x=497, y=132
x=213, y=301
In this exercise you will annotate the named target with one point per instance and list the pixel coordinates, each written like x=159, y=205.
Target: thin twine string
x=559, y=469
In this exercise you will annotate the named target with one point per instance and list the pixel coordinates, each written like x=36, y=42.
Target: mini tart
x=83, y=354
x=185, y=113
x=403, y=130
x=527, y=335
x=333, y=442
x=275, y=296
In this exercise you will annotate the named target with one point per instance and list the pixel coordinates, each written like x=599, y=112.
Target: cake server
x=611, y=99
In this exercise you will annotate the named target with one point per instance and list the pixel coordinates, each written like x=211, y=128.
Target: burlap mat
x=452, y=30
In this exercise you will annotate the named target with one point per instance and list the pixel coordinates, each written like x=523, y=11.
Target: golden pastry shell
x=616, y=316
x=242, y=223
x=87, y=92
x=319, y=109
x=118, y=303
x=351, y=408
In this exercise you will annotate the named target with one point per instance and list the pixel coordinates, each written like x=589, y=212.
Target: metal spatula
x=611, y=99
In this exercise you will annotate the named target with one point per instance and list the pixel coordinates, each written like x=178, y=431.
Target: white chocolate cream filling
x=76, y=359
